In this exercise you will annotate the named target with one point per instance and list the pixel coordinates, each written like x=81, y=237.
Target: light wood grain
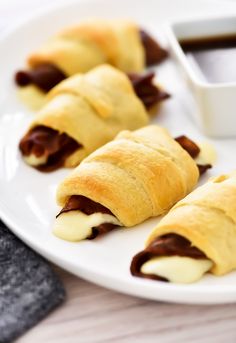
x=93, y=314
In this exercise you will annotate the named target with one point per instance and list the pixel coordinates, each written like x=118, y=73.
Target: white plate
x=27, y=197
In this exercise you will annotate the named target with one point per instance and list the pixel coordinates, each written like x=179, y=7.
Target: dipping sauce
x=214, y=58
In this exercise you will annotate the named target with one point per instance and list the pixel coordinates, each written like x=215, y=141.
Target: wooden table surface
x=94, y=314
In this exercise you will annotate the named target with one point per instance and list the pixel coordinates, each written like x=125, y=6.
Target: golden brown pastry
x=197, y=236
x=140, y=174
x=82, y=113
x=80, y=48
x=93, y=42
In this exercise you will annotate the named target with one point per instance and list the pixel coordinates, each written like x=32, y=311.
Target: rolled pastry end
x=45, y=76
x=203, y=154
x=147, y=91
x=171, y=258
x=82, y=218
x=154, y=53
x=46, y=149
x=76, y=226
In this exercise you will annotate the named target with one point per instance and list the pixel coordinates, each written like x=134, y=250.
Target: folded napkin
x=29, y=289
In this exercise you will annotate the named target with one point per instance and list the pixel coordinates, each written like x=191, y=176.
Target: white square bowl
x=216, y=101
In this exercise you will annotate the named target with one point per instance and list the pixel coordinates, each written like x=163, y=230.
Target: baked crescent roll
x=140, y=174
x=80, y=48
x=84, y=112
x=197, y=236
x=93, y=42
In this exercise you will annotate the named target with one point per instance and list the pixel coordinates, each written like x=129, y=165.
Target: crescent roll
x=138, y=175
x=93, y=42
x=88, y=110
x=81, y=48
x=84, y=112
x=197, y=236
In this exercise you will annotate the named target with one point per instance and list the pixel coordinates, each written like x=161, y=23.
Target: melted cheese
x=32, y=97
x=177, y=269
x=75, y=226
x=35, y=161
x=207, y=154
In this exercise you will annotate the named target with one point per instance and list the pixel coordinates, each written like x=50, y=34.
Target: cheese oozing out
x=207, y=154
x=177, y=269
x=35, y=161
x=32, y=97
x=75, y=226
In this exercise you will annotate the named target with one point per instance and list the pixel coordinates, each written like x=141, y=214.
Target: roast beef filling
x=193, y=150
x=154, y=53
x=167, y=245
x=146, y=90
x=45, y=76
x=188, y=145
x=44, y=141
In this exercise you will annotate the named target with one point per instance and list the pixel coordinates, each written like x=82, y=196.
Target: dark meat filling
x=146, y=90
x=167, y=245
x=45, y=76
x=44, y=141
x=188, y=145
x=203, y=168
x=87, y=206
x=154, y=53
x=193, y=150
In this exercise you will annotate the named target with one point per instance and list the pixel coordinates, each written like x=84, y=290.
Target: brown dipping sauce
x=215, y=56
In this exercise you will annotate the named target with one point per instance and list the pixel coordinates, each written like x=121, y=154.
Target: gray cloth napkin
x=29, y=288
